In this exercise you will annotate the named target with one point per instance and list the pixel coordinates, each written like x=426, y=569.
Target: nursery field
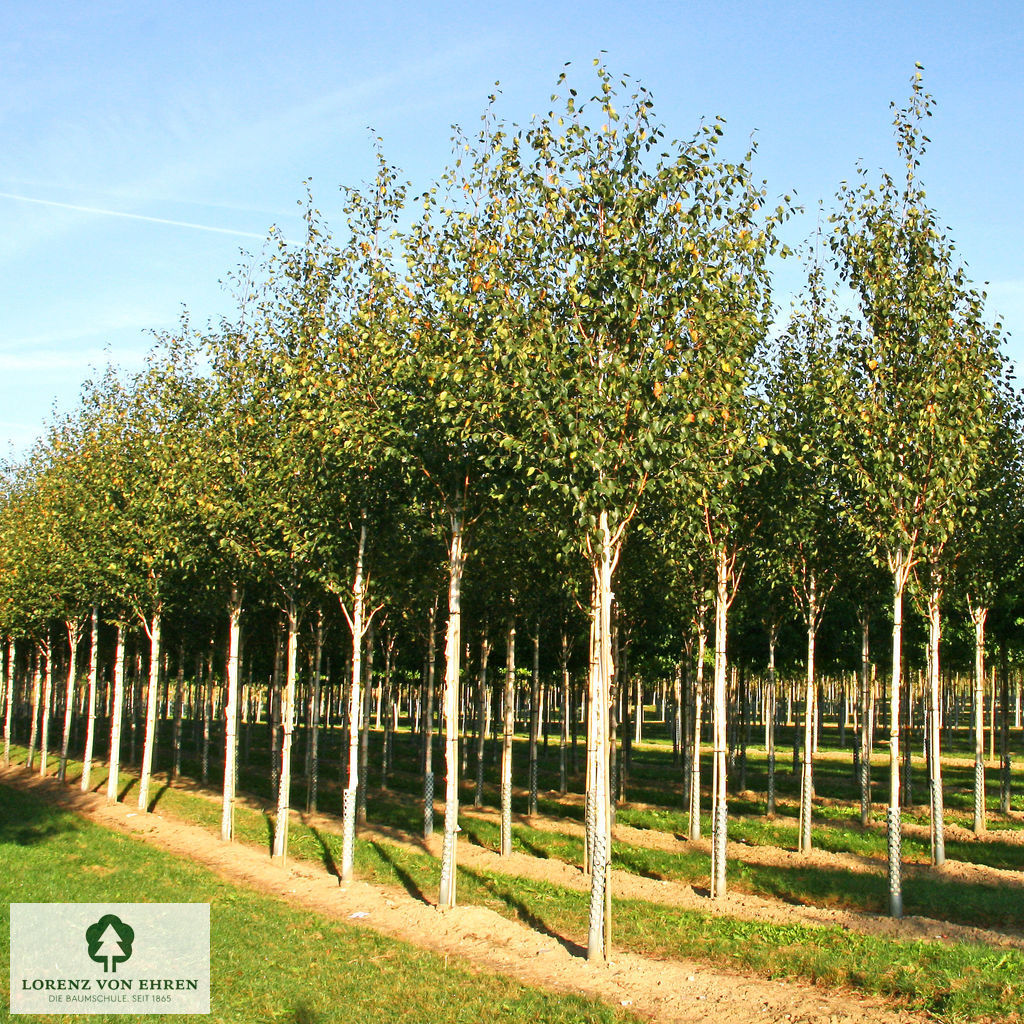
x=795, y=937
x=511, y=579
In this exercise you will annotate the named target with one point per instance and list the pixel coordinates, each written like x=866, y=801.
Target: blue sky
x=145, y=145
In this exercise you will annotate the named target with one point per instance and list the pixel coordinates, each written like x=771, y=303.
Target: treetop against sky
x=138, y=161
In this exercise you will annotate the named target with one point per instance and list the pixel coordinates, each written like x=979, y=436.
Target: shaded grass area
x=270, y=962
x=654, y=774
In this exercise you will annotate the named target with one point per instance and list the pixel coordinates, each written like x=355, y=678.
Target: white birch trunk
x=9, y=710
x=116, y=711
x=599, y=931
x=901, y=569
x=37, y=683
x=938, y=843
x=44, y=725
x=287, y=723
x=978, y=616
x=810, y=718
x=74, y=629
x=563, y=738
x=509, y=716
x=348, y=807
x=453, y=647
x=719, y=828
x=90, y=708
x=534, y=719
x=589, y=816
x=227, y=817
x=153, y=629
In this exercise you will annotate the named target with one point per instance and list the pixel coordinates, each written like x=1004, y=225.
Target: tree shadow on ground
x=531, y=848
x=156, y=799
x=504, y=894
x=683, y=867
x=409, y=883
x=26, y=821
x=968, y=903
x=476, y=832
x=325, y=853
x=391, y=809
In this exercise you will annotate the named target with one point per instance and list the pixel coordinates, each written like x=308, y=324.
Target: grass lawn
x=270, y=962
x=950, y=982
x=961, y=982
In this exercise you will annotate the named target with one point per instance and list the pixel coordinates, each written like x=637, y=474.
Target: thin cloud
x=377, y=100
x=53, y=360
x=131, y=216
x=369, y=101
x=135, y=320
x=131, y=194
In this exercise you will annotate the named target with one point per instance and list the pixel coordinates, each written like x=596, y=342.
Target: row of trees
x=561, y=383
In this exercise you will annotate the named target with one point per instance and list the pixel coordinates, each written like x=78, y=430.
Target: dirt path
x=673, y=992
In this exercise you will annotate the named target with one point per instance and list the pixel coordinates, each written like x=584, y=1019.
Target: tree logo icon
x=110, y=942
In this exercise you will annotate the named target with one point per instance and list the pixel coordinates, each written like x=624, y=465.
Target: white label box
x=131, y=958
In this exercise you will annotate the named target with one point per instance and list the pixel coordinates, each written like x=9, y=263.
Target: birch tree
x=988, y=560
x=153, y=527
x=71, y=557
x=29, y=591
x=627, y=238
x=445, y=402
x=916, y=397
x=805, y=491
x=729, y=434
x=350, y=319
x=247, y=471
